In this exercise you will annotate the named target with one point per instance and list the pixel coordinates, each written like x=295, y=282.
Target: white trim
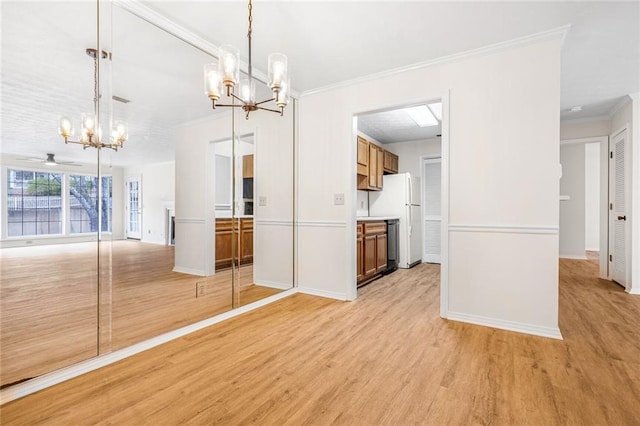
x=573, y=256
x=518, y=327
x=444, y=205
x=273, y=222
x=507, y=229
x=595, y=139
x=322, y=223
x=559, y=32
x=618, y=106
x=635, y=194
x=190, y=220
x=149, y=15
x=75, y=370
x=45, y=240
x=322, y=293
x=189, y=271
x=273, y=284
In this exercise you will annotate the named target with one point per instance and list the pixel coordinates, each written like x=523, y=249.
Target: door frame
x=604, y=198
x=628, y=202
x=423, y=159
x=127, y=179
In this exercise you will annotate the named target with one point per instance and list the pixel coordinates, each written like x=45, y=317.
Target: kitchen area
x=394, y=149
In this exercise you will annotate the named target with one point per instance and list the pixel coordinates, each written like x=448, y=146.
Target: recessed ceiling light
x=576, y=108
x=436, y=109
x=422, y=116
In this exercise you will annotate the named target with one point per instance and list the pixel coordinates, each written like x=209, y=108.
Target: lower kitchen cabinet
x=243, y=246
x=372, y=250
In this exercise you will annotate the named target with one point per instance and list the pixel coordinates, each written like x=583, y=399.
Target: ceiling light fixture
x=226, y=72
x=436, y=109
x=90, y=134
x=422, y=116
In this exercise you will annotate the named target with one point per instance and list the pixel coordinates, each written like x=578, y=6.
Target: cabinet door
x=363, y=156
x=246, y=241
x=390, y=162
x=370, y=266
x=380, y=168
x=360, y=259
x=247, y=166
x=373, y=166
x=381, y=252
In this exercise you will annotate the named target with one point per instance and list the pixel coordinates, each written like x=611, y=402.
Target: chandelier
x=226, y=72
x=90, y=135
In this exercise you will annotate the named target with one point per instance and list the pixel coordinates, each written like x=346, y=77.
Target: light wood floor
x=48, y=302
x=386, y=358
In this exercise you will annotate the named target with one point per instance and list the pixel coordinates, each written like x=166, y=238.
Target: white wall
x=273, y=223
x=158, y=192
x=409, y=153
x=578, y=129
x=503, y=182
x=572, y=211
x=592, y=197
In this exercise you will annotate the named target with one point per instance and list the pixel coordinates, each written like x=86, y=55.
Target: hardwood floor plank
x=386, y=358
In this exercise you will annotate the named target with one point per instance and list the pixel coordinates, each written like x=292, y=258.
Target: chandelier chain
x=250, y=19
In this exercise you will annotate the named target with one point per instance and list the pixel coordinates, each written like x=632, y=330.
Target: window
x=34, y=203
x=84, y=210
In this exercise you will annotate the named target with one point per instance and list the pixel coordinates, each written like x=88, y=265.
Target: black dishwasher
x=393, y=228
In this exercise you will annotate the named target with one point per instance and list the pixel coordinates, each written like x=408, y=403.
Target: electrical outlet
x=199, y=289
x=262, y=201
x=338, y=199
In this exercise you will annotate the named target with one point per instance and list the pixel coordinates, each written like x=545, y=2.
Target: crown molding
x=619, y=105
x=556, y=33
x=579, y=120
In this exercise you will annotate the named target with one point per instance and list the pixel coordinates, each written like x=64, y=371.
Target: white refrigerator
x=400, y=197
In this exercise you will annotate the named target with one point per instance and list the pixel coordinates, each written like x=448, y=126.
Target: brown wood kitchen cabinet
x=372, y=163
x=224, y=236
x=247, y=166
x=372, y=250
x=390, y=163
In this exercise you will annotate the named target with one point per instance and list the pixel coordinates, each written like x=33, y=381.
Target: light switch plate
x=262, y=201
x=338, y=199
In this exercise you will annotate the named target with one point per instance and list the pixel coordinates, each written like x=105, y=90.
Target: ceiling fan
x=50, y=161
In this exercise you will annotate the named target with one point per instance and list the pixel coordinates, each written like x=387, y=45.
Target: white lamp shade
x=229, y=65
x=65, y=127
x=88, y=124
x=120, y=132
x=277, y=71
x=212, y=81
x=283, y=95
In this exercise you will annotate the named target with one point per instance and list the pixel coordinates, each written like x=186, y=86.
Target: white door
x=432, y=216
x=618, y=230
x=133, y=208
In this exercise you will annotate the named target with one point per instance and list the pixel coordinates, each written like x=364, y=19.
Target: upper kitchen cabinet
x=247, y=166
x=390, y=163
x=372, y=163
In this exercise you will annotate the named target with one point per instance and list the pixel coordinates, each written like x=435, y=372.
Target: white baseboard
x=273, y=284
x=573, y=256
x=323, y=293
x=75, y=370
x=633, y=290
x=536, y=330
x=189, y=271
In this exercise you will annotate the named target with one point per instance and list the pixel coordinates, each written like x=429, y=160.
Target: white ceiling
x=395, y=126
x=45, y=72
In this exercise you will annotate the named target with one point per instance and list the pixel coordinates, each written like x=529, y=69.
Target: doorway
x=133, y=207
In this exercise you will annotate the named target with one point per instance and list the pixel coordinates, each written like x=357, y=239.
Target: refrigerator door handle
x=410, y=221
x=410, y=189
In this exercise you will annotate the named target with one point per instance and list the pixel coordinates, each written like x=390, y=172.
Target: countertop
x=375, y=218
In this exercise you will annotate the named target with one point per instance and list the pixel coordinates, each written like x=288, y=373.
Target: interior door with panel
x=133, y=207
x=618, y=225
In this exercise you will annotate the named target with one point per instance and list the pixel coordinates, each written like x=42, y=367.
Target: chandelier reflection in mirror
x=226, y=72
x=90, y=135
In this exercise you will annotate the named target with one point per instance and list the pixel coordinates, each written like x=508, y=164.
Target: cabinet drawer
x=375, y=228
